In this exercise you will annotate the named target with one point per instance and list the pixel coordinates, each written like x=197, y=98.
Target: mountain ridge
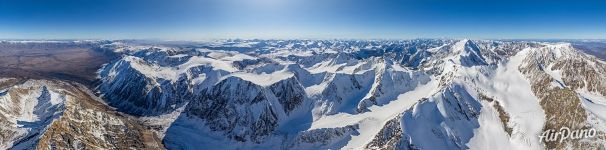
x=355, y=94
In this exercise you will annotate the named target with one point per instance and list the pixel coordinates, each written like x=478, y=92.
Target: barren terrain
x=66, y=61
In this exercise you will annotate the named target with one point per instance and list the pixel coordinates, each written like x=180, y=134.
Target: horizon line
x=206, y=39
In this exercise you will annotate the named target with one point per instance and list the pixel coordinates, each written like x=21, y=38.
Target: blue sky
x=207, y=19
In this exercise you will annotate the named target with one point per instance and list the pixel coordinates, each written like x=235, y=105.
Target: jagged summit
x=349, y=94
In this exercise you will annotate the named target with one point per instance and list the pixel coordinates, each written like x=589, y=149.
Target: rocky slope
x=43, y=114
x=320, y=94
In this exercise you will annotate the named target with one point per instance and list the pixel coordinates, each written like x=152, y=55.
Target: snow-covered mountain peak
x=557, y=50
x=467, y=53
x=46, y=114
x=354, y=94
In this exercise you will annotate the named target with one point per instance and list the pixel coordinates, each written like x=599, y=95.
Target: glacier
x=347, y=94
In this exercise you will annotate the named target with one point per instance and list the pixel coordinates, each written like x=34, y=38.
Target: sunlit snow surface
x=307, y=94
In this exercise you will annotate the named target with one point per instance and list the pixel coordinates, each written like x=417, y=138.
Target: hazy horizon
x=294, y=19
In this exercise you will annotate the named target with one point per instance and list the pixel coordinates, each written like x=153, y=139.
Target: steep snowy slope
x=43, y=114
x=567, y=81
x=321, y=94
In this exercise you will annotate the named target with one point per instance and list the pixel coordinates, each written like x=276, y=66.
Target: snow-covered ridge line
x=336, y=93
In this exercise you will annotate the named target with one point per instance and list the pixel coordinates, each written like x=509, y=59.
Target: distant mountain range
x=309, y=94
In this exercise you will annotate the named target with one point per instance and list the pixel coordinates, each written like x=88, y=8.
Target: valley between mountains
x=299, y=94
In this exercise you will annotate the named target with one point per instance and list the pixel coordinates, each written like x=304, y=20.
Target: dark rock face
x=67, y=117
x=290, y=93
x=416, y=126
x=132, y=92
x=326, y=136
x=389, y=137
x=238, y=108
x=347, y=83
